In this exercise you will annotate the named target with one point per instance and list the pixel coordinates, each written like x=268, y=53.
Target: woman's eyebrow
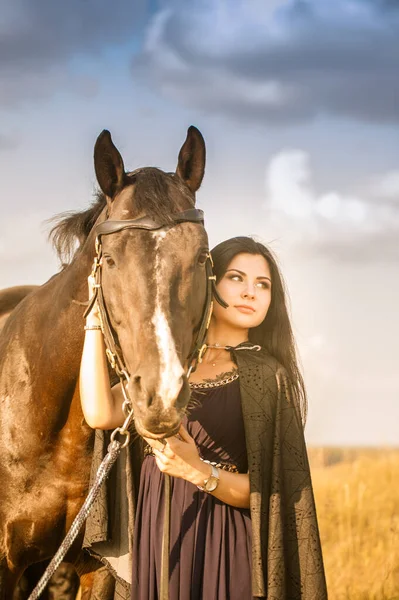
x=242, y=273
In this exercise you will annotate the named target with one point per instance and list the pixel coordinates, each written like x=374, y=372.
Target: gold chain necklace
x=212, y=384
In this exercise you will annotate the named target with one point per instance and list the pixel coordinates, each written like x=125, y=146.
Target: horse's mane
x=152, y=187
x=72, y=228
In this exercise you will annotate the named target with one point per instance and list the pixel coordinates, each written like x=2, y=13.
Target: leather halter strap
x=192, y=215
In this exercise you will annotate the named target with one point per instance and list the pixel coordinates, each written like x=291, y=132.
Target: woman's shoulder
x=250, y=356
x=262, y=376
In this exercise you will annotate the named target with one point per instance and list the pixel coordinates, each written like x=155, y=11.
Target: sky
x=298, y=102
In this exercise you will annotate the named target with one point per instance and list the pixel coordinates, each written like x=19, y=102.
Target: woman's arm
x=180, y=458
x=102, y=407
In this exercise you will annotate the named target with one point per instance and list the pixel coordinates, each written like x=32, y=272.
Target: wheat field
x=357, y=498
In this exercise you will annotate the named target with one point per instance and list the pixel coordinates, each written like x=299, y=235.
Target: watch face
x=211, y=484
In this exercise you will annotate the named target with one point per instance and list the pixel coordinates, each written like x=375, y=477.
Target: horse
x=155, y=291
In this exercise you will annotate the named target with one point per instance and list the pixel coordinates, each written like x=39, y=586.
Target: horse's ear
x=108, y=164
x=191, y=164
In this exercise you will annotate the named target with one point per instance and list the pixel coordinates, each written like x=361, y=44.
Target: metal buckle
x=121, y=431
x=209, y=315
x=201, y=352
x=111, y=358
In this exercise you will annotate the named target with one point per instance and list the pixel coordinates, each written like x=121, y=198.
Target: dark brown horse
x=154, y=287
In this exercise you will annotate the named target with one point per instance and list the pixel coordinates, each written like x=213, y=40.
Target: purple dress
x=210, y=541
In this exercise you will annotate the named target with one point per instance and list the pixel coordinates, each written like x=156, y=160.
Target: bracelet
x=89, y=327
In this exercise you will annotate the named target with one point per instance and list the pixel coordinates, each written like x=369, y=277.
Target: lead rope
x=164, y=583
x=114, y=449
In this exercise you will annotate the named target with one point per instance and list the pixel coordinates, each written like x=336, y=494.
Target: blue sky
x=298, y=102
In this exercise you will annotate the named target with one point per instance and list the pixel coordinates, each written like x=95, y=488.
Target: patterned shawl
x=287, y=561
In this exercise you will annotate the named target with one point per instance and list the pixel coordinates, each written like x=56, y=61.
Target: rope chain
x=114, y=450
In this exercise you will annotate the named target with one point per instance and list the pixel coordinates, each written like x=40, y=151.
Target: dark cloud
x=297, y=61
x=39, y=37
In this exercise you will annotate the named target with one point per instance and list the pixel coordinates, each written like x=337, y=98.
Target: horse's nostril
x=150, y=400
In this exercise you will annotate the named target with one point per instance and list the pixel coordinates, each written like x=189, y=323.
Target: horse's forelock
x=156, y=193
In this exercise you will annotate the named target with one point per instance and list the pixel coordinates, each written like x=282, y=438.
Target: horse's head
x=154, y=280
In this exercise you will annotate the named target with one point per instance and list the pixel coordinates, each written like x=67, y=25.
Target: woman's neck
x=223, y=335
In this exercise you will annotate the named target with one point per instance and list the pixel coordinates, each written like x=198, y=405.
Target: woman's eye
x=263, y=285
x=110, y=261
x=235, y=278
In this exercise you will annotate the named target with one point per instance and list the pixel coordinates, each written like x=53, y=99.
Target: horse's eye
x=110, y=261
x=202, y=257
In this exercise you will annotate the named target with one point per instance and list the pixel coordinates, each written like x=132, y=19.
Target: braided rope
x=114, y=450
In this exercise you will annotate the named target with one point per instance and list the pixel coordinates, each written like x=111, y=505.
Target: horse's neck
x=53, y=317
x=70, y=288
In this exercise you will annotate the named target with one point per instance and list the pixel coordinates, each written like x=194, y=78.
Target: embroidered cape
x=287, y=561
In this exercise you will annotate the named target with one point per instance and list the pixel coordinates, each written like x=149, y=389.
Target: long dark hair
x=275, y=332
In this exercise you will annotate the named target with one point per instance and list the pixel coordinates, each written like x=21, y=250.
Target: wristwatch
x=211, y=483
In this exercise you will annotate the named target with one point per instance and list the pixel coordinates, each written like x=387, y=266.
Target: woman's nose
x=249, y=292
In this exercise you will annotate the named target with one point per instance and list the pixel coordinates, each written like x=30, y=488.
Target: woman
x=243, y=521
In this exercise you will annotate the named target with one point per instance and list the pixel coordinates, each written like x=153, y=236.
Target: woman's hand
x=179, y=458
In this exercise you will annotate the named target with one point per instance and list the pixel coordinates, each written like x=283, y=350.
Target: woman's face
x=246, y=287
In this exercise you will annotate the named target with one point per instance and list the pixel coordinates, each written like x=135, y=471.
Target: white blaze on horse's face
x=171, y=370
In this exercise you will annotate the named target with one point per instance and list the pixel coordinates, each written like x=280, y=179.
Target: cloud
x=333, y=224
x=277, y=61
x=38, y=39
x=387, y=186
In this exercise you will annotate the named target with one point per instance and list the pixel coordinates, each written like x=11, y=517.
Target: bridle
x=117, y=363
x=113, y=350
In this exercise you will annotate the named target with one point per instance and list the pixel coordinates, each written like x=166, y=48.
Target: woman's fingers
x=159, y=455
x=186, y=437
x=155, y=444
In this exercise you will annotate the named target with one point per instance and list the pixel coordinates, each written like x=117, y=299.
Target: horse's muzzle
x=153, y=415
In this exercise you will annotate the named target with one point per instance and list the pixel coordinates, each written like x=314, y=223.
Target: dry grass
x=357, y=497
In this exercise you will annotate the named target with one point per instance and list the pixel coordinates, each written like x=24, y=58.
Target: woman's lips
x=247, y=310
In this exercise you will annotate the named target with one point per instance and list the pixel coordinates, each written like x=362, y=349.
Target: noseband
x=113, y=351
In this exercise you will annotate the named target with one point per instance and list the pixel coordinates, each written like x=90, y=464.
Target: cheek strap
x=217, y=296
